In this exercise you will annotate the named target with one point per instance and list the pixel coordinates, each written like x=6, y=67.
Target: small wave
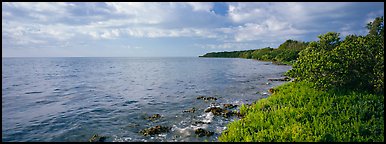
x=45, y=102
x=187, y=131
x=128, y=102
x=208, y=117
x=34, y=92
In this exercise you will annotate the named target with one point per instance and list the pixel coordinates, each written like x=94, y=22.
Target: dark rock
x=200, y=97
x=271, y=90
x=220, y=112
x=192, y=110
x=201, y=122
x=97, y=138
x=210, y=98
x=206, y=98
x=201, y=132
x=154, y=117
x=230, y=106
x=155, y=130
x=214, y=110
x=226, y=113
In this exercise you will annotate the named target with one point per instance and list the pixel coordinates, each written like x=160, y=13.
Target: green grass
x=297, y=112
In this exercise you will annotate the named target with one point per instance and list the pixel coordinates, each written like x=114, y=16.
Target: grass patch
x=298, y=112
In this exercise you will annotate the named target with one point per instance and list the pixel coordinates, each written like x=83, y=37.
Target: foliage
x=298, y=112
x=286, y=53
x=354, y=63
x=345, y=106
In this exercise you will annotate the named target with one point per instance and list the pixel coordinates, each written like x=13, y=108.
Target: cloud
x=226, y=26
x=133, y=47
x=201, y=6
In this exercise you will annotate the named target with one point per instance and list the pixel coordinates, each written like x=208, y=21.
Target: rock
x=226, y=113
x=154, y=117
x=192, y=110
x=206, y=98
x=230, y=106
x=201, y=132
x=201, y=122
x=271, y=90
x=210, y=98
x=214, y=110
x=200, y=97
x=214, y=104
x=97, y=138
x=220, y=112
x=155, y=130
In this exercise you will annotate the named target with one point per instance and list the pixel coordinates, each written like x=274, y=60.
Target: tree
x=354, y=63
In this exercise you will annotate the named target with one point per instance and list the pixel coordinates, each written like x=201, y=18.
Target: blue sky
x=175, y=29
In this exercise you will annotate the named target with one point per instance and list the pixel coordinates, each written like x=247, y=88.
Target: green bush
x=298, y=112
x=354, y=63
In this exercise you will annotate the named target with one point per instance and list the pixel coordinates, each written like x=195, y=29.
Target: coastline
x=290, y=102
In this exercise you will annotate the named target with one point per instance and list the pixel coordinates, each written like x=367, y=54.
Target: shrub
x=355, y=63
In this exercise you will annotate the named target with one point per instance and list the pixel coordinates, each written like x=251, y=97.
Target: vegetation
x=298, y=112
x=355, y=63
x=287, y=53
x=337, y=94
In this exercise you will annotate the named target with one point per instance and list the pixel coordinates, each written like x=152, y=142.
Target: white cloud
x=111, y=34
x=201, y=6
x=53, y=7
x=157, y=32
x=245, y=24
x=133, y=47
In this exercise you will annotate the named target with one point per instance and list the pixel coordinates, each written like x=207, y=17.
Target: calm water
x=71, y=99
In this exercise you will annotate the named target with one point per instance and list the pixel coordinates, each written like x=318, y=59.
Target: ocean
x=71, y=99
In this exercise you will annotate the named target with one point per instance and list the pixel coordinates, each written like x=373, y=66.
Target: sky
x=171, y=29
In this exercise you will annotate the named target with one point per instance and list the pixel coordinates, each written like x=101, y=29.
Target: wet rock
x=154, y=117
x=214, y=110
x=226, y=113
x=206, y=98
x=230, y=106
x=201, y=132
x=220, y=112
x=192, y=110
x=155, y=130
x=214, y=104
x=97, y=138
x=271, y=90
x=280, y=79
x=200, y=97
x=210, y=98
x=201, y=122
